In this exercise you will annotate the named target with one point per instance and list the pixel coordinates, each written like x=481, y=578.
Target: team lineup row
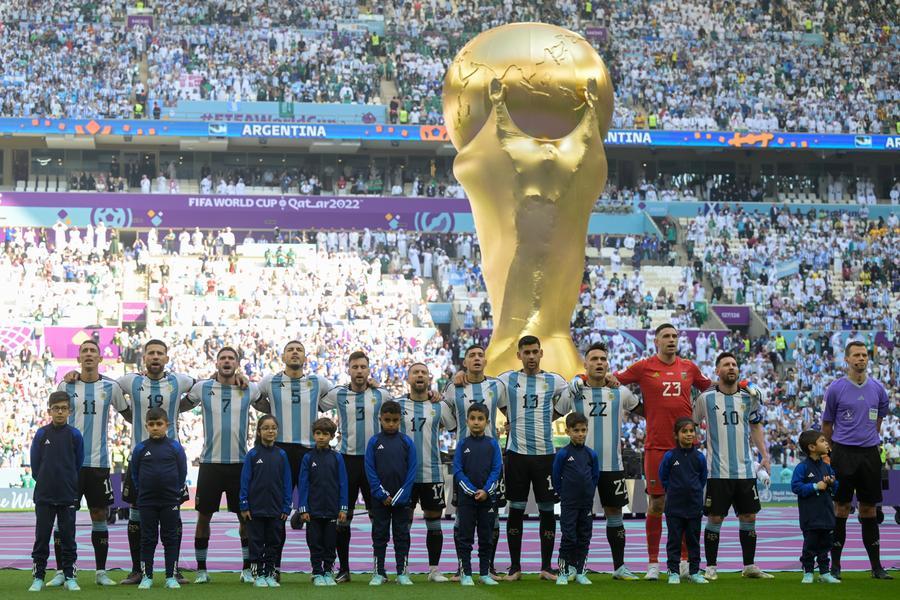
x=530, y=399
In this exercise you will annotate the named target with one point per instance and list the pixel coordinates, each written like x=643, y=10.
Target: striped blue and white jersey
x=90, y=415
x=226, y=420
x=604, y=408
x=295, y=403
x=357, y=415
x=530, y=411
x=146, y=393
x=728, y=419
x=422, y=422
x=491, y=392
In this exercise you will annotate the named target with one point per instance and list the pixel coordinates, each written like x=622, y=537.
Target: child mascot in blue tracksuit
x=158, y=473
x=477, y=465
x=57, y=453
x=322, y=491
x=814, y=484
x=391, y=471
x=265, y=497
x=576, y=471
x=683, y=475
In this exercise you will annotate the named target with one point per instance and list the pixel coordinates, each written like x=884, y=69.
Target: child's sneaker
x=329, y=578
x=674, y=578
x=57, y=580
x=172, y=583
x=698, y=578
x=103, y=579
x=562, y=578
x=488, y=580
x=259, y=582
x=828, y=578
x=37, y=585
x=71, y=585
x=403, y=579
x=272, y=582
x=145, y=584
x=467, y=581
x=319, y=580
x=247, y=576
x=377, y=579
x=202, y=577
x=582, y=579
x=710, y=574
x=807, y=578
x=624, y=574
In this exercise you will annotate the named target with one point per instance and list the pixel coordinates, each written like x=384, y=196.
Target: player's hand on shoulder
x=577, y=384
x=373, y=383
x=459, y=378
x=242, y=381
x=72, y=377
x=434, y=396
x=611, y=381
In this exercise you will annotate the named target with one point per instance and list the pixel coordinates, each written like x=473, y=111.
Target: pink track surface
x=778, y=547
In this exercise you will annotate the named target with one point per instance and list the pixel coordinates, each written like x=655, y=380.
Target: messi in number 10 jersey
x=728, y=419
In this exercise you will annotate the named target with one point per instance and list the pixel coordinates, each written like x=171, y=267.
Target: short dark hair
x=854, y=343
x=157, y=414
x=57, y=398
x=357, y=355
x=418, y=362
x=597, y=346
x=575, y=418
x=227, y=349
x=390, y=408
x=528, y=340
x=156, y=342
x=665, y=326
x=723, y=355
x=294, y=342
x=682, y=422
x=808, y=438
x=473, y=347
x=89, y=341
x=478, y=407
x=325, y=425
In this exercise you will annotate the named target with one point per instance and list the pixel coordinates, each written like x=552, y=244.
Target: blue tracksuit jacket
x=322, y=485
x=576, y=471
x=391, y=467
x=159, y=470
x=266, y=484
x=57, y=454
x=683, y=475
x=816, y=506
x=477, y=465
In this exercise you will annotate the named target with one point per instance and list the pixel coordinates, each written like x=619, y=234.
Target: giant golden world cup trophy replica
x=527, y=107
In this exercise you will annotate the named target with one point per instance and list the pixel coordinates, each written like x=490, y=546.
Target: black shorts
x=612, y=490
x=295, y=454
x=94, y=486
x=722, y=494
x=525, y=471
x=212, y=481
x=357, y=482
x=857, y=470
x=430, y=496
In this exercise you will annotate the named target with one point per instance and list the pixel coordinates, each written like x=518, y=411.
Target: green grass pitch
x=730, y=586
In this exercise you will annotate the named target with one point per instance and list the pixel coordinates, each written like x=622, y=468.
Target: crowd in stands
x=807, y=65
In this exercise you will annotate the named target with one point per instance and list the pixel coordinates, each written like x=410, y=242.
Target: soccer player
x=225, y=409
x=92, y=396
x=665, y=381
x=293, y=398
x=604, y=408
x=733, y=420
x=357, y=407
x=155, y=388
x=529, y=452
x=855, y=406
x=422, y=420
x=471, y=386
